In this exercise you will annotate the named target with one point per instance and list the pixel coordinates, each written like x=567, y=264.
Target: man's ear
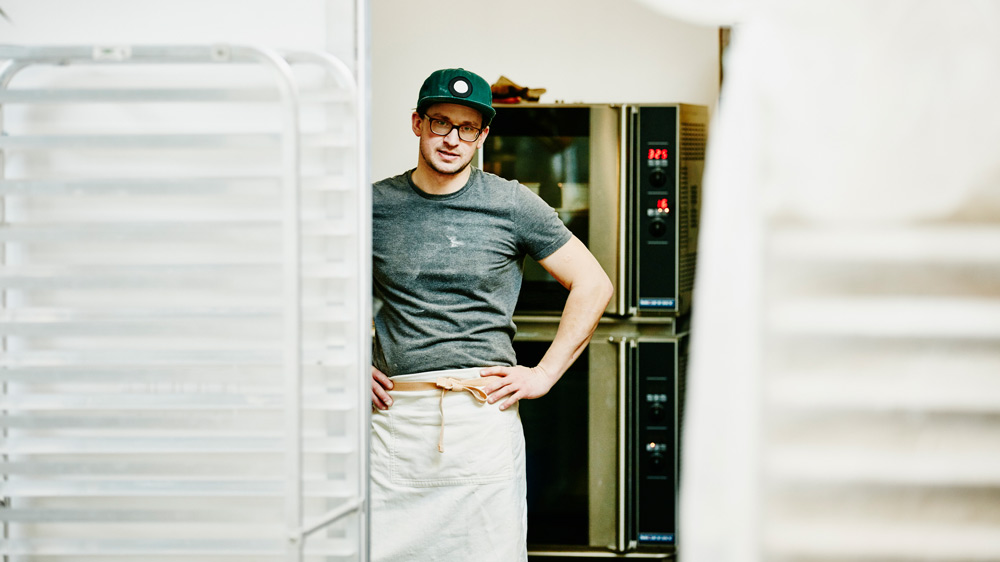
x=415, y=121
x=482, y=137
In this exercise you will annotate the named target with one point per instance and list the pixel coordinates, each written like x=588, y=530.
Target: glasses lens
x=440, y=127
x=467, y=133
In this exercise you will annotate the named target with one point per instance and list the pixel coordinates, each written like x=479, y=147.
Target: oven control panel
x=656, y=192
x=667, y=159
x=656, y=392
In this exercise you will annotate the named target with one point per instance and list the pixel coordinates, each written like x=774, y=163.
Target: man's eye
x=467, y=129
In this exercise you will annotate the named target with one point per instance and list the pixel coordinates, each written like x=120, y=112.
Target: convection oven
x=602, y=447
x=626, y=179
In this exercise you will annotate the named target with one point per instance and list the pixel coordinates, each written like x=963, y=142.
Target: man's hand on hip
x=516, y=382
x=381, y=383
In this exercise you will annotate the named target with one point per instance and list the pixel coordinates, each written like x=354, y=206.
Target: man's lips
x=448, y=155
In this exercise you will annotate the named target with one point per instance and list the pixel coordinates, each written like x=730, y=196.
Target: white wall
x=286, y=24
x=579, y=50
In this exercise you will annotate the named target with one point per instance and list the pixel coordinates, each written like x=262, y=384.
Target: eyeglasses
x=443, y=128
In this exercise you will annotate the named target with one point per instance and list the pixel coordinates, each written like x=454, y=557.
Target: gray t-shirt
x=448, y=270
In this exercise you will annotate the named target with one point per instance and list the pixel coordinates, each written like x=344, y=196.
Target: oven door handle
x=623, y=204
x=626, y=204
x=628, y=349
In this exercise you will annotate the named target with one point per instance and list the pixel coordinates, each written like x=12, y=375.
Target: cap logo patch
x=460, y=87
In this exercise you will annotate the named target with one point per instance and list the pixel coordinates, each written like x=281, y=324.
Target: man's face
x=448, y=154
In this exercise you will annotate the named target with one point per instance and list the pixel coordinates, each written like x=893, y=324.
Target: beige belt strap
x=445, y=384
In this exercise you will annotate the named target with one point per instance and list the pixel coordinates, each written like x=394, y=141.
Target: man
x=447, y=456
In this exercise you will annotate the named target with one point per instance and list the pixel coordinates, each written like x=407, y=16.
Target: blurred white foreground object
x=845, y=341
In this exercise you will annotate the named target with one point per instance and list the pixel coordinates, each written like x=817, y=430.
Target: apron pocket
x=477, y=442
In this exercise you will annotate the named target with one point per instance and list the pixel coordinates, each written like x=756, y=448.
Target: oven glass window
x=547, y=150
x=556, y=437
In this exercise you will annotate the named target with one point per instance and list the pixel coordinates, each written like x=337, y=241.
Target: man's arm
x=589, y=292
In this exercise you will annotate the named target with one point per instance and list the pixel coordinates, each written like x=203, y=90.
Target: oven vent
x=694, y=138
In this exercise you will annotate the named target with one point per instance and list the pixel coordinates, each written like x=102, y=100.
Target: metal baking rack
x=183, y=304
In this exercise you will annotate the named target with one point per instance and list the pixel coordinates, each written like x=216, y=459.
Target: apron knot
x=458, y=385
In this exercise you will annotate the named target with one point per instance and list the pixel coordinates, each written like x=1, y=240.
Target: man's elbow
x=604, y=289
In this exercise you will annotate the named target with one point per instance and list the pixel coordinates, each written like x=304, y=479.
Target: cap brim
x=487, y=111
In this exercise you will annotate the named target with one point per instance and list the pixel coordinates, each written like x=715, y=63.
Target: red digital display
x=662, y=205
x=657, y=154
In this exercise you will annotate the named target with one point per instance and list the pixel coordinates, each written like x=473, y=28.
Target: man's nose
x=452, y=137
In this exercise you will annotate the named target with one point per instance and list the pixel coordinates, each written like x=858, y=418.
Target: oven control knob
x=657, y=462
x=657, y=411
x=657, y=228
x=658, y=178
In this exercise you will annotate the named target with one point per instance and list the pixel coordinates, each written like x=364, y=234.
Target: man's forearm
x=584, y=308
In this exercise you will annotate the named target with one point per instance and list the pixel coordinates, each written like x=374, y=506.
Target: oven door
x=602, y=445
x=570, y=155
x=572, y=446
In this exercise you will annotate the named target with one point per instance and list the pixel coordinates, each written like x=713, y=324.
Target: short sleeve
x=538, y=229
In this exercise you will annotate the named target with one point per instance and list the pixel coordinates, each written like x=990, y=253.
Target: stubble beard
x=427, y=154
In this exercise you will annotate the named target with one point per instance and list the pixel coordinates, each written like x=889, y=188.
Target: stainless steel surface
x=621, y=280
x=628, y=116
x=607, y=203
x=693, y=118
x=362, y=114
x=538, y=327
x=598, y=554
x=620, y=503
x=604, y=439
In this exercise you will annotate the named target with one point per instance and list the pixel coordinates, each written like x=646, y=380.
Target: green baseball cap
x=457, y=85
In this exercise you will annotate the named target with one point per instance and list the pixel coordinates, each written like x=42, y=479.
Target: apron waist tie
x=445, y=384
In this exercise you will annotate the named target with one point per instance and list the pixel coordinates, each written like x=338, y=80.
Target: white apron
x=464, y=503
